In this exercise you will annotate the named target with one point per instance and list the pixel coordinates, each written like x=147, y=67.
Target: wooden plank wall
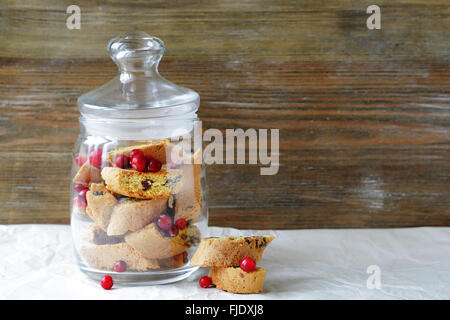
x=363, y=115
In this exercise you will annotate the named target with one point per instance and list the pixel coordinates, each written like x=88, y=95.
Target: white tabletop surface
x=37, y=262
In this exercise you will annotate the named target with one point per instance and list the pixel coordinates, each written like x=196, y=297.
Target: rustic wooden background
x=364, y=116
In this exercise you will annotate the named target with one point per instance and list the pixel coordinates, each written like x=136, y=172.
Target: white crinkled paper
x=37, y=262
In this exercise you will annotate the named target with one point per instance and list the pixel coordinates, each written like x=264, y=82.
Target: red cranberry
x=95, y=157
x=148, y=158
x=181, y=223
x=78, y=187
x=77, y=203
x=80, y=160
x=205, y=281
x=164, y=222
x=173, y=232
x=154, y=165
x=247, y=264
x=174, y=165
x=107, y=282
x=82, y=195
x=138, y=163
x=120, y=266
x=122, y=161
x=134, y=153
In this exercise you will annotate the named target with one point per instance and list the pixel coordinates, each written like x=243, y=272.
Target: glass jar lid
x=138, y=91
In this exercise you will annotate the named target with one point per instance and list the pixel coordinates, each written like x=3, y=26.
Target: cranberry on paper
x=107, y=282
x=205, y=281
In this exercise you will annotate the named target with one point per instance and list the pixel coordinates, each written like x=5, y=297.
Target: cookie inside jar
x=140, y=206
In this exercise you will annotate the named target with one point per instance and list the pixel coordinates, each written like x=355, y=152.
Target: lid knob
x=138, y=91
x=136, y=52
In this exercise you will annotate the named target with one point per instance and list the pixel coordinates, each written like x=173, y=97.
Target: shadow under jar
x=138, y=209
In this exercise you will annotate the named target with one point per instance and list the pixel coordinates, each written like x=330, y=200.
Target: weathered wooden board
x=364, y=116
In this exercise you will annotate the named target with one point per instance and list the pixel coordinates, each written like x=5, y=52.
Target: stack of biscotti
x=224, y=256
x=125, y=205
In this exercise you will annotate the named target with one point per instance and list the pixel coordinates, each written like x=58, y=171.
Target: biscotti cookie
x=158, y=149
x=197, y=160
x=235, y=280
x=229, y=251
x=153, y=244
x=133, y=214
x=96, y=235
x=100, y=203
x=105, y=256
x=187, y=207
x=87, y=174
x=188, y=202
x=142, y=185
x=176, y=261
x=194, y=170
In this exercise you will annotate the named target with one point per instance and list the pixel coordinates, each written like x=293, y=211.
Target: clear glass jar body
x=137, y=215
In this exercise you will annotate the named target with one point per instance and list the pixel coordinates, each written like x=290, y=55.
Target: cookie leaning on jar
x=126, y=210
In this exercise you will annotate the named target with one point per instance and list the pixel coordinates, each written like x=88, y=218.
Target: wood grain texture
x=364, y=116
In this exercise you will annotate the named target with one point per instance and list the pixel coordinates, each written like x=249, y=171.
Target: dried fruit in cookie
x=142, y=185
x=229, y=251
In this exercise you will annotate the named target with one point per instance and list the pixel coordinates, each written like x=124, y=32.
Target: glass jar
x=138, y=209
